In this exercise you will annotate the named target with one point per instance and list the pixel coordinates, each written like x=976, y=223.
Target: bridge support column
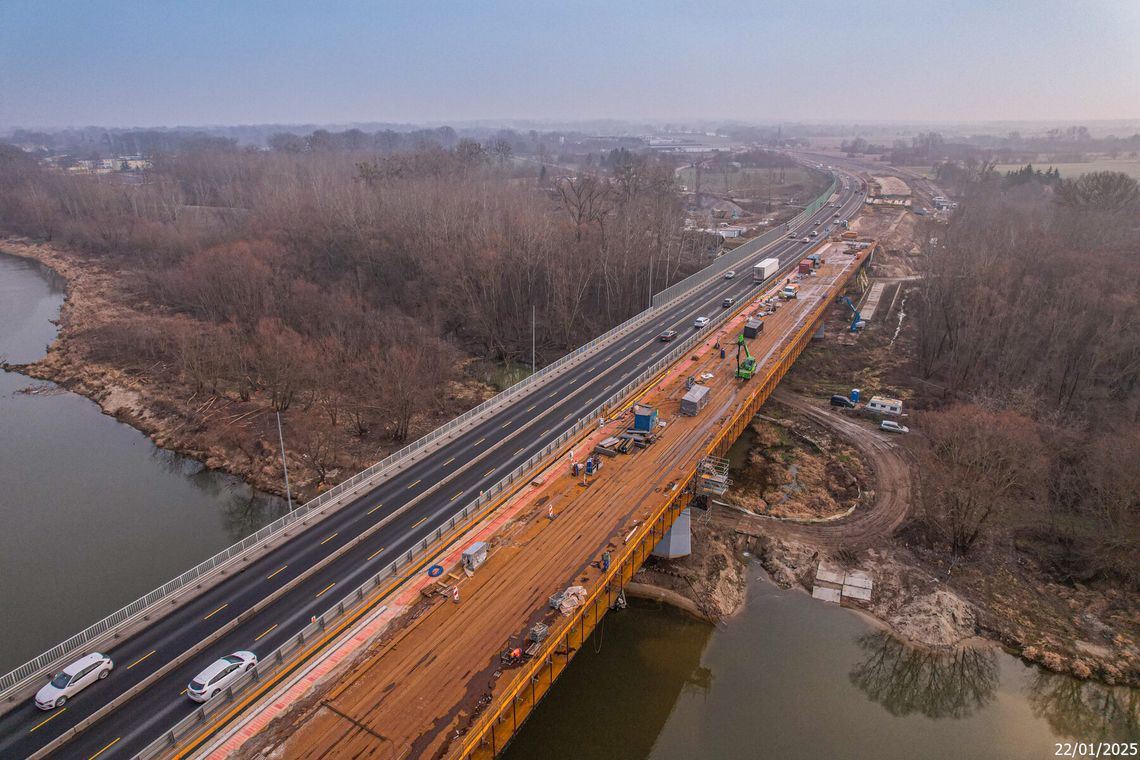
x=678, y=541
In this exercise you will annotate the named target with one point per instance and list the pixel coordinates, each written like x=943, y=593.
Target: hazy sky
x=160, y=62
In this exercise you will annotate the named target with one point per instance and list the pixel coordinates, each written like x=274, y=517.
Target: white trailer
x=765, y=269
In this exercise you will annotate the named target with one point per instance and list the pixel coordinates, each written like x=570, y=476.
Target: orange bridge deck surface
x=436, y=687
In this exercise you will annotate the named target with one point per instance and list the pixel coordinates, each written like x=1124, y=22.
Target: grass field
x=751, y=183
x=1130, y=166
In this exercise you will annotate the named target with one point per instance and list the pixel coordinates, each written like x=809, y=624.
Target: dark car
x=842, y=401
x=668, y=335
x=728, y=302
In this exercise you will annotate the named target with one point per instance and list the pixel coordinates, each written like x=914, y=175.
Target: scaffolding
x=712, y=476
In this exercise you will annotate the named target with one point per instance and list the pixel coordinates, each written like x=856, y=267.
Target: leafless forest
x=354, y=282
x=1029, y=316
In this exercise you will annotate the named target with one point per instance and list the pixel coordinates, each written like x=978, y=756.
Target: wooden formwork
x=494, y=728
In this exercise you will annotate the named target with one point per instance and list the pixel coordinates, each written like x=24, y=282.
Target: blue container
x=854, y=394
x=644, y=418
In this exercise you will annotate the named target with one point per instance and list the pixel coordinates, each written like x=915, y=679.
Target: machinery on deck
x=857, y=320
x=747, y=368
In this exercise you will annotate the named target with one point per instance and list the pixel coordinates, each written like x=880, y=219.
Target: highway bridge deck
x=420, y=691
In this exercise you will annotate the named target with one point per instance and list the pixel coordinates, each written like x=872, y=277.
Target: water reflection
x=1085, y=710
x=906, y=680
x=245, y=510
x=638, y=663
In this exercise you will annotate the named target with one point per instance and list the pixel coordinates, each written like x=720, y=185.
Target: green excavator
x=747, y=368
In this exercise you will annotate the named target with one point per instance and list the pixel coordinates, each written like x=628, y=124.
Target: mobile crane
x=747, y=368
x=857, y=321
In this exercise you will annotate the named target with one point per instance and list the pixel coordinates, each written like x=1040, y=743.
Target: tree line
x=1028, y=314
x=352, y=287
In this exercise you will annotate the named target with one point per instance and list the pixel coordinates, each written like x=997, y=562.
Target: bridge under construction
x=457, y=679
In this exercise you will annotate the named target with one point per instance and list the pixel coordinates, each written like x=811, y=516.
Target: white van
x=884, y=405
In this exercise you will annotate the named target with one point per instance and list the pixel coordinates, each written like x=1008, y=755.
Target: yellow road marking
x=449, y=461
x=215, y=612
x=553, y=395
x=373, y=509
x=456, y=496
x=100, y=752
x=183, y=692
x=488, y=472
x=330, y=538
x=413, y=485
x=480, y=441
x=544, y=432
x=508, y=423
x=266, y=632
x=275, y=572
x=373, y=554
x=54, y=716
x=419, y=521
x=518, y=452
x=531, y=407
x=136, y=662
x=326, y=588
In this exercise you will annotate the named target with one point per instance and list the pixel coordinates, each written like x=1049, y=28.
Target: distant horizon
x=677, y=125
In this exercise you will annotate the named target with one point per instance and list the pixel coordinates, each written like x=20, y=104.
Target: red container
x=805, y=266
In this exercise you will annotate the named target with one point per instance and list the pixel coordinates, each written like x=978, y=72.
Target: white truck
x=765, y=269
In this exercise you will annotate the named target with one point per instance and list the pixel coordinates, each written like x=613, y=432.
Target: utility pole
x=650, y=281
x=284, y=464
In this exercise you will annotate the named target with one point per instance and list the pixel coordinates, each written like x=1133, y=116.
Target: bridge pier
x=678, y=542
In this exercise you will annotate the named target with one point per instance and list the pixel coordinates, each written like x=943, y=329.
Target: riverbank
x=112, y=347
x=74, y=475
x=799, y=478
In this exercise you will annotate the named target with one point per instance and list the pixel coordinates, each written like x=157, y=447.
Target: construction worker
x=455, y=594
x=605, y=561
x=550, y=512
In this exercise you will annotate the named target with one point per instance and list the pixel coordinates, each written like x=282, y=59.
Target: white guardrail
x=270, y=664
x=22, y=676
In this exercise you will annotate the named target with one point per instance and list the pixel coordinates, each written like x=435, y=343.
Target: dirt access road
x=893, y=485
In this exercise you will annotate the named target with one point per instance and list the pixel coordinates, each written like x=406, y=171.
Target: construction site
x=460, y=656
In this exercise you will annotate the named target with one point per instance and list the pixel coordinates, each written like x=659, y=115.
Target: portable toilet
x=855, y=394
x=644, y=418
x=475, y=555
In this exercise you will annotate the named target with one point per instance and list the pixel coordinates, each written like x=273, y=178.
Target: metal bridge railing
x=347, y=490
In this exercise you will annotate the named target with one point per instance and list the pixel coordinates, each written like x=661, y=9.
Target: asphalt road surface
x=475, y=460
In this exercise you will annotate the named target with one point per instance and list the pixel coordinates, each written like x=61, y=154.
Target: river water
x=793, y=678
x=92, y=514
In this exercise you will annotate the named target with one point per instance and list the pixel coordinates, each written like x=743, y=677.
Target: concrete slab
x=855, y=592
x=832, y=595
x=858, y=578
x=830, y=573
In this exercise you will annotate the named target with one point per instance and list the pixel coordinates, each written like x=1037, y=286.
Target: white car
x=730, y=274
x=893, y=427
x=700, y=322
x=73, y=679
x=215, y=679
x=806, y=240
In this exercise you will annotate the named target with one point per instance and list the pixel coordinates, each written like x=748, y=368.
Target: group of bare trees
x=1030, y=310
x=347, y=287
